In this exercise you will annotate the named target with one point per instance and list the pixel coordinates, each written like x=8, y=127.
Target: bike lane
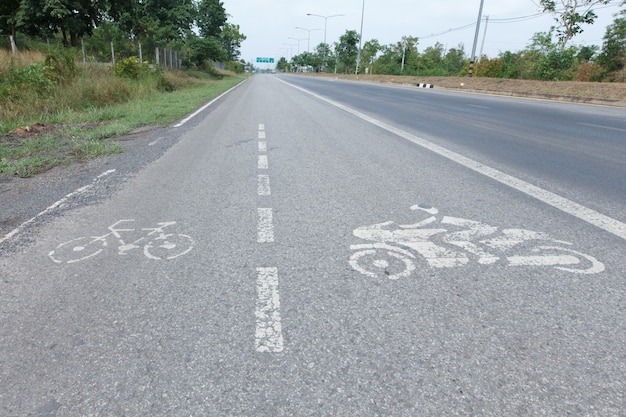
x=525, y=319
x=131, y=334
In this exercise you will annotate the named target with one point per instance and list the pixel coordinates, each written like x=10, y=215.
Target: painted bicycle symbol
x=155, y=243
x=448, y=242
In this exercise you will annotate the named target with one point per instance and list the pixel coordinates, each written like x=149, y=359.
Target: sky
x=269, y=25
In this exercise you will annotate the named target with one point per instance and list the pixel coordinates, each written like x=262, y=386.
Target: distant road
x=316, y=247
x=574, y=150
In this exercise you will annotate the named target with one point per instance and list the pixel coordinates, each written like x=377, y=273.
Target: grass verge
x=79, y=133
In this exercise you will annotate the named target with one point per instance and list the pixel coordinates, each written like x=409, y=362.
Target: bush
x=130, y=68
x=62, y=64
x=20, y=82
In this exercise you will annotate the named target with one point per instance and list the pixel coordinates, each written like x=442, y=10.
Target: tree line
x=550, y=55
x=200, y=29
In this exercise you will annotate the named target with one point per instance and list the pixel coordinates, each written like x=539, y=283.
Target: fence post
x=140, y=54
x=13, y=45
x=82, y=46
x=113, y=54
x=156, y=53
x=171, y=62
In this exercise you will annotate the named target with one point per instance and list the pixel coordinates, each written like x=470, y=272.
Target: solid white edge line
x=54, y=206
x=577, y=210
x=201, y=109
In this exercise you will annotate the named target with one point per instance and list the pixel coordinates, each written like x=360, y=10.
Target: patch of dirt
x=37, y=129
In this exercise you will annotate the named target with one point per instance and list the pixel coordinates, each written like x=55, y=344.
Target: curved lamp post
x=308, y=46
x=325, y=26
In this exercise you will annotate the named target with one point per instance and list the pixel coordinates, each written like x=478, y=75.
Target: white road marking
x=264, y=185
x=261, y=126
x=262, y=146
x=617, y=129
x=261, y=134
x=154, y=142
x=269, y=336
x=265, y=228
x=62, y=201
x=201, y=109
x=583, y=213
x=263, y=162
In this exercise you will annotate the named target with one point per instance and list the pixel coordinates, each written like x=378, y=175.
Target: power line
x=505, y=21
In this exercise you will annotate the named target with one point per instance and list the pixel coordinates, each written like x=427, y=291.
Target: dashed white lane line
x=268, y=335
x=80, y=191
x=265, y=228
x=264, y=185
x=583, y=213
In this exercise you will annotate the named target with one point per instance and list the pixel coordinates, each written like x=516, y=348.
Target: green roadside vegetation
x=55, y=111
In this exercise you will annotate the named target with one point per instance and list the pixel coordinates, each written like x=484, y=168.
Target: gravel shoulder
x=25, y=202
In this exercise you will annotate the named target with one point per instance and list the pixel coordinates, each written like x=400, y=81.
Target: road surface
x=314, y=247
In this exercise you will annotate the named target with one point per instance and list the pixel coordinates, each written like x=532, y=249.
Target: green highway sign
x=265, y=60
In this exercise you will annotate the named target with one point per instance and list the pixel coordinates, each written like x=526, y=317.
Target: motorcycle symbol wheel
x=392, y=263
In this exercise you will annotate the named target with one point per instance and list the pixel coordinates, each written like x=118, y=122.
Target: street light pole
x=308, y=46
x=295, y=39
x=325, y=26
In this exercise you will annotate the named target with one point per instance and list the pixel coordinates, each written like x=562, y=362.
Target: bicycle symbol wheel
x=76, y=250
x=168, y=246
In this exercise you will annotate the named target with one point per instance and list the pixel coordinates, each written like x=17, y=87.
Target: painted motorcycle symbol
x=155, y=244
x=449, y=242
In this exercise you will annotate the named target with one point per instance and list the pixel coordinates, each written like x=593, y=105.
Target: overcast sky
x=268, y=24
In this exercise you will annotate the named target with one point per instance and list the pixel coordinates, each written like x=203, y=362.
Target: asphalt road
x=311, y=247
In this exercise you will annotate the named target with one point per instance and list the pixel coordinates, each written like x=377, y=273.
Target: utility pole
x=358, y=57
x=482, y=44
x=473, y=56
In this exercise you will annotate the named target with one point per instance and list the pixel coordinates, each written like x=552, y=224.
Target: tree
x=347, y=50
x=369, y=52
x=8, y=17
x=211, y=18
x=432, y=59
x=454, y=60
x=72, y=18
x=324, y=52
x=282, y=64
x=168, y=20
x=570, y=17
x=231, y=39
x=407, y=48
x=613, y=55
x=205, y=49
